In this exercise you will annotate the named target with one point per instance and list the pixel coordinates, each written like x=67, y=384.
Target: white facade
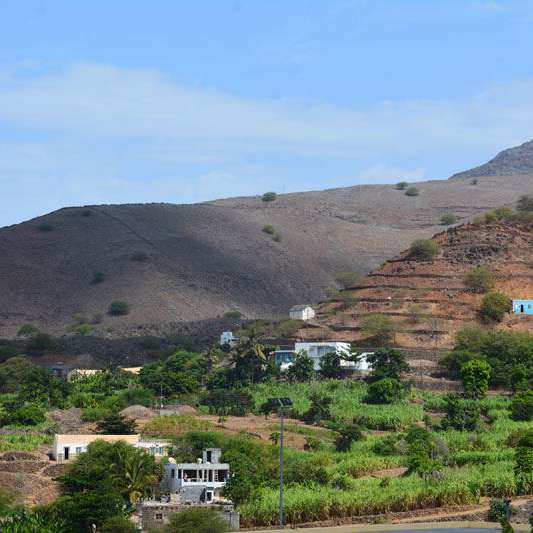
x=317, y=350
x=68, y=447
x=200, y=481
x=227, y=337
x=301, y=312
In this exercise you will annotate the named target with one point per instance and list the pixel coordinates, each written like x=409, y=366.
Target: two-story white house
x=200, y=482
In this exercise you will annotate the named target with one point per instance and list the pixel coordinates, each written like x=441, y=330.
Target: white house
x=67, y=447
x=301, y=312
x=227, y=337
x=200, y=482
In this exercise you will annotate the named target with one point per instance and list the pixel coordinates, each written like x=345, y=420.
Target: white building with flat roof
x=68, y=447
x=317, y=350
x=301, y=312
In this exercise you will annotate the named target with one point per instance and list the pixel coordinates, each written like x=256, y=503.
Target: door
x=66, y=453
x=522, y=308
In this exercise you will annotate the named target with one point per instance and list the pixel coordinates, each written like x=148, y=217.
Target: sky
x=120, y=101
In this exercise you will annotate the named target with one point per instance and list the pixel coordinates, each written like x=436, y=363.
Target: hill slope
x=428, y=301
x=177, y=263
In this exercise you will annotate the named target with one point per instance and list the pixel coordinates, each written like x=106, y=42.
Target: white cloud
x=98, y=133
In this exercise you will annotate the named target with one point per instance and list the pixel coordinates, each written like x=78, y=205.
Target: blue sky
x=181, y=101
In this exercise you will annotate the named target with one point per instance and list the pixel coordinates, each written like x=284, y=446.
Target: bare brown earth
x=428, y=301
x=178, y=263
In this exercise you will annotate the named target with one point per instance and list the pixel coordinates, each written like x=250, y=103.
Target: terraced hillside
x=428, y=301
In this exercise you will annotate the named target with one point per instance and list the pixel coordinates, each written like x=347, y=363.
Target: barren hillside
x=175, y=263
x=428, y=300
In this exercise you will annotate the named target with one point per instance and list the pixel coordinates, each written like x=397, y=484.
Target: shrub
x=269, y=229
x=45, y=227
x=524, y=463
x=82, y=329
x=494, y=306
x=197, y=519
x=140, y=257
x=27, y=415
x=424, y=249
x=276, y=237
x=448, y=218
x=401, y=186
x=386, y=390
x=228, y=402
x=118, y=524
x=461, y=414
x=387, y=363
x=118, y=307
x=412, y=191
x=98, y=277
x=347, y=436
x=479, y=280
x=269, y=196
x=348, y=279
x=525, y=203
x=522, y=406
x=26, y=330
x=319, y=410
x=476, y=376
x=475, y=181
x=39, y=343
x=302, y=369
x=380, y=327
x=233, y=314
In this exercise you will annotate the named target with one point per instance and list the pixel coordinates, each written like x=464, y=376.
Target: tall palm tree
x=136, y=468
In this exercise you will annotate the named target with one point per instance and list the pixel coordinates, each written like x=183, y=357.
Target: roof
x=131, y=369
x=300, y=307
x=86, y=439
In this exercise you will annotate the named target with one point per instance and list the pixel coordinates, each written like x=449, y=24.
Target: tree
x=250, y=361
x=424, y=250
x=448, y=219
x=401, y=185
x=229, y=402
x=522, y=406
x=118, y=308
x=479, y=280
x=384, y=391
x=330, y=365
x=319, y=410
x=476, y=377
x=26, y=415
x=116, y=424
x=197, y=519
x=521, y=377
x=380, y=327
x=494, y=306
x=461, y=414
x=387, y=363
x=39, y=343
x=98, y=277
x=302, y=369
x=269, y=196
x=346, y=436
x=412, y=191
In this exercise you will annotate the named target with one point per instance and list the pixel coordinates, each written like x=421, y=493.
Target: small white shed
x=301, y=312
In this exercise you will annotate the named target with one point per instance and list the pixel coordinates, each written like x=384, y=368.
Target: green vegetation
x=479, y=280
x=525, y=204
x=118, y=308
x=347, y=279
x=448, y=218
x=269, y=229
x=401, y=186
x=476, y=376
x=412, y=191
x=494, y=307
x=269, y=196
x=116, y=424
x=380, y=327
x=139, y=257
x=302, y=369
x=522, y=406
x=424, y=250
x=199, y=520
x=45, y=227
x=98, y=277
x=27, y=330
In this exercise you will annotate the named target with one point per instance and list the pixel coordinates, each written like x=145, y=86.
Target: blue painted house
x=523, y=307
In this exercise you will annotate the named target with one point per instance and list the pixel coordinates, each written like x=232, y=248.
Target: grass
x=347, y=403
x=26, y=442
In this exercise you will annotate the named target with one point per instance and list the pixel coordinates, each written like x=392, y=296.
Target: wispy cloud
x=103, y=133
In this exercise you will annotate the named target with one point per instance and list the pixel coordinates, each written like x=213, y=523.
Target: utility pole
x=280, y=403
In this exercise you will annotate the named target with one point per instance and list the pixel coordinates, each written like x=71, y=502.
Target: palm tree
x=136, y=470
x=250, y=352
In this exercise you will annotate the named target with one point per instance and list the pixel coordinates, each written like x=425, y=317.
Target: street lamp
x=280, y=403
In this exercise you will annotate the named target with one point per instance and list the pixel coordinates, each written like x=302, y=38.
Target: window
x=159, y=516
x=173, y=473
x=79, y=449
x=209, y=496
